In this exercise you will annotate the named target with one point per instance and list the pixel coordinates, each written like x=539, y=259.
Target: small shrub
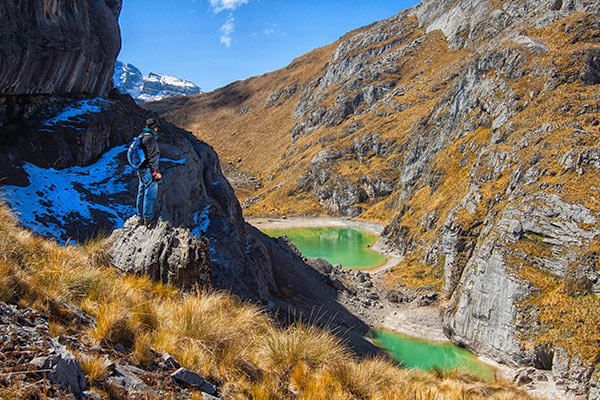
x=142, y=348
x=113, y=325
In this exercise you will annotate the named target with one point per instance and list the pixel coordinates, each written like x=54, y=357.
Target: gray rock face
x=62, y=368
x=483, y=309
x=164, y=253
x=55, y=47
x=336, y=193
x=466, y=23
x=458, y=245
x=575, y=376
x=362, y=74
x=488, y=311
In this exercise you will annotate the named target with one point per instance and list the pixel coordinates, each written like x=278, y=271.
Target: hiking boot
x=150, y=223
x=139, y=220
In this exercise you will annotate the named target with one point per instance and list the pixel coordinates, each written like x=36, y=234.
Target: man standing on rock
x=148, y=175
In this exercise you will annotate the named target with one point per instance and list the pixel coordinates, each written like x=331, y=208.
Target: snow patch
x=180, y=162
x=77, y=109
x=53, y=199
x=201, y=220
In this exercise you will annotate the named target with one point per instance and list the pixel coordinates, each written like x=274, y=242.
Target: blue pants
x=147, y=191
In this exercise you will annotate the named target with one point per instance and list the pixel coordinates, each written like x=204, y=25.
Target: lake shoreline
x=381, y=246
x=314, y=222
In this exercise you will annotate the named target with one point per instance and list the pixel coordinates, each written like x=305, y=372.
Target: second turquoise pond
x=337, y=245
x=416, y=353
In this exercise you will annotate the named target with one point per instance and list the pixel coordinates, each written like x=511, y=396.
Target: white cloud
x=227, y=30
x=272, y=30
x=220, y=5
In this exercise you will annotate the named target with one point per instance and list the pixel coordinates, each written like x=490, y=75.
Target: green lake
x=416, y=353
x=337, y=245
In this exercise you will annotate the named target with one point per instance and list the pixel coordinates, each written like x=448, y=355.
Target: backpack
x=135, y=153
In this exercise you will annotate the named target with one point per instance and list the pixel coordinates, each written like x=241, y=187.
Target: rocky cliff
x=472, y=129
x=58, y=46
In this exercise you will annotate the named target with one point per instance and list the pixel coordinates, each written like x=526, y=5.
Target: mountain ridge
x=128, y=79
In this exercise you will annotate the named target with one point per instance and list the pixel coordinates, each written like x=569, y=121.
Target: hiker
x=148, y=175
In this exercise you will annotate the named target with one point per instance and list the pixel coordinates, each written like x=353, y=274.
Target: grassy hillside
x=233, y=344
x=242, y=118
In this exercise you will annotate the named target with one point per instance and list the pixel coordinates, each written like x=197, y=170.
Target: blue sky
x=215, y=42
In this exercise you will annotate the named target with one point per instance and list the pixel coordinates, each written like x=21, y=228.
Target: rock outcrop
x=62, y=368
x=58, y=47
x=167, y=254
x=68, y=176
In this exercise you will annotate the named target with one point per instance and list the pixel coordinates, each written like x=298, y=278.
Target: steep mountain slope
x=249, y=115
x=471, y=127
x=152, y=87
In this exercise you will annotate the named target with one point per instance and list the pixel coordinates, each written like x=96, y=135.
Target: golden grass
x=94, y=368
x=564, y=314
x=414, y=274
x=233, y=344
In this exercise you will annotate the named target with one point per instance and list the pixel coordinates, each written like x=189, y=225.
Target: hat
x=151, y=123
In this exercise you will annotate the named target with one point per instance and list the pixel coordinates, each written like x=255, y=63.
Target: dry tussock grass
x=233, y=344
x=94, y=368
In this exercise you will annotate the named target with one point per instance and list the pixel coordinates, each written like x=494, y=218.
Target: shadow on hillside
x=304, y=294
x=231, y=95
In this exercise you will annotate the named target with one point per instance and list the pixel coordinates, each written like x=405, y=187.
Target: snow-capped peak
x=128, y=79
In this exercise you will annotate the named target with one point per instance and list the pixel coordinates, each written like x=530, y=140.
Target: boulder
x=61, y=367
x=524, y=376
x=190, y=378
x=126, y=381
x=168, y=362
x=206, y=396
x=172, y=255
x=55, y=47
x=89, y=395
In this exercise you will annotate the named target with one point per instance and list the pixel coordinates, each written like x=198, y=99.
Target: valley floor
x=426, y=323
